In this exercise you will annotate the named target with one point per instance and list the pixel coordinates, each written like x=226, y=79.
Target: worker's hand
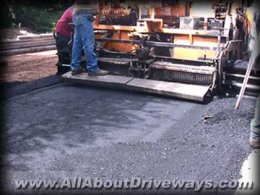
x=91, y=18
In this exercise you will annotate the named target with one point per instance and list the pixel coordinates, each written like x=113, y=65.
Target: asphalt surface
x=75, y=131
x=12, y=89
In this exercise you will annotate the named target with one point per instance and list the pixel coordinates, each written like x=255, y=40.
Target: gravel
x=76, y=131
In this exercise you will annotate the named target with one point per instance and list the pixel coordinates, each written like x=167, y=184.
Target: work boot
x=254, y=143
x=77, y=71
x=98, y=72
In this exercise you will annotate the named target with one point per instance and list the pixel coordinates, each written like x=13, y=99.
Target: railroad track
x=27, y=44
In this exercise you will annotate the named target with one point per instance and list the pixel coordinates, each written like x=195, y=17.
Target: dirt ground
x=25, y=67
x=28, y=67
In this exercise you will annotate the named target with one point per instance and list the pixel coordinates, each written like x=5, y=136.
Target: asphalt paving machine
x=173, y=48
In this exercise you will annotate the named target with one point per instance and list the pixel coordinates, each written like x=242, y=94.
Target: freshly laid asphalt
x=76, y=131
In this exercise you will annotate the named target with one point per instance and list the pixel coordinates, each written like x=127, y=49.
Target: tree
x=37, y=15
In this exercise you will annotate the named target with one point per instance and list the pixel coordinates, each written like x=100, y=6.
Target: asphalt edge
x=7, y=93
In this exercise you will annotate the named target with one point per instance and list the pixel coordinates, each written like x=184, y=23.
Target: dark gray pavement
x=76, y=131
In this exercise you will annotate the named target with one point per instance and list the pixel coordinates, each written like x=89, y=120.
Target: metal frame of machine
x=170, y=42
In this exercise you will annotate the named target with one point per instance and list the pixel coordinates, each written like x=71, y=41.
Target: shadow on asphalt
x=11, y=89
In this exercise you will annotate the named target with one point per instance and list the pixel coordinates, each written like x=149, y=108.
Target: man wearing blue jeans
x=254, y=139
x=84, y=38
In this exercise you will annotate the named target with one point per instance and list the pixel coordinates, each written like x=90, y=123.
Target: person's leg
x=77, y=44
x=88, y=40
x=62, y=46
x=62, y=51
x=62, y=42
x=254, y=139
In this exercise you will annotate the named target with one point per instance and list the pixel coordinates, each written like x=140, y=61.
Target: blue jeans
x=84, y=38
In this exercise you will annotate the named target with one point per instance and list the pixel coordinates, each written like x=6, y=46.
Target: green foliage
x=5, y=16
x=39, y=16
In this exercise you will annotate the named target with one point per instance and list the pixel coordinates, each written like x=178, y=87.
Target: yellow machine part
x=121, y=47
x=194, y=54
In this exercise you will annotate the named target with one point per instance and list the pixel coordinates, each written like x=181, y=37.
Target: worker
x=63, y=35
x=254, y=139
x=83, y=17
x=63, y=29
x=240, y=25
